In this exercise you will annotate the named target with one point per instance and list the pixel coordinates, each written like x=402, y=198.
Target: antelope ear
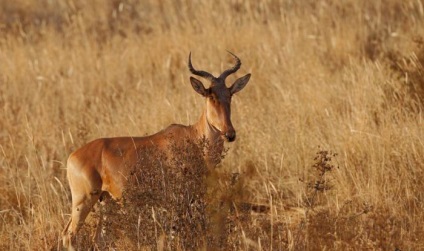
x=239, y=84
x=198, y=87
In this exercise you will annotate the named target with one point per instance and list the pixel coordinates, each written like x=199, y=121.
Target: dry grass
x=347, y=76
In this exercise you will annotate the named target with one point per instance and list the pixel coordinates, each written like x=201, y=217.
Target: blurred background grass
x=343, y=75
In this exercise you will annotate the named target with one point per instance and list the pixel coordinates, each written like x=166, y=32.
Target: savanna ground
x=330, y=127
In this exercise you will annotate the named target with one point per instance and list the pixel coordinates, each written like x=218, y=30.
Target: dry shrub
x=163, y=204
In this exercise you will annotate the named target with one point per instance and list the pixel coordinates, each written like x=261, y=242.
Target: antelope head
x=218, y=97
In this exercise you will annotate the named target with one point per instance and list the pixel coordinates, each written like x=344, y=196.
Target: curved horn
x=226, y=73
x=202, y=74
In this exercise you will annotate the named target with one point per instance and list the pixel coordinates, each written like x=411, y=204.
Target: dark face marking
x=218, y=110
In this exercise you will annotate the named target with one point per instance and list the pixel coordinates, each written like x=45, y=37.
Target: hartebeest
x=103, y=164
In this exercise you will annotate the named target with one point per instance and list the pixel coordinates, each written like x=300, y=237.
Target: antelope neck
x=205, y=129
x=215, y=146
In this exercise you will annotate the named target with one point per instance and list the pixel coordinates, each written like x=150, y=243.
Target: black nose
x=230, y=135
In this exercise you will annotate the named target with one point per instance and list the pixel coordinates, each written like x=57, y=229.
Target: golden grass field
x=345, y=77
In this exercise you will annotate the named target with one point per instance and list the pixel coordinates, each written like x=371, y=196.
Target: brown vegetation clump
x=344, y=75
x=163, y=204
x=178, y=204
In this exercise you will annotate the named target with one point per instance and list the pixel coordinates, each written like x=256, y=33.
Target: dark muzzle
x=230, y=135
